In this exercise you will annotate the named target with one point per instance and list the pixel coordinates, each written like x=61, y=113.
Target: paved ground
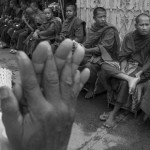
x=87, y=132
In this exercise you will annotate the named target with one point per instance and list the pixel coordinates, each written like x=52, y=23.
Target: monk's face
x=143, y=25
x=100, y=18
x=11, y=4
x=70, y=12
x=48, y=13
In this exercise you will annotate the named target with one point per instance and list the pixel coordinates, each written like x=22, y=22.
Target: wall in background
x=120, y=13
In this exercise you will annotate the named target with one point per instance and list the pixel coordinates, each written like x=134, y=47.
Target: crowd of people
x=121, y=68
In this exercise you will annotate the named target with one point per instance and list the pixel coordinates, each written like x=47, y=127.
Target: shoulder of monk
x=111, y=26
x=77, y=21
x=129, y=35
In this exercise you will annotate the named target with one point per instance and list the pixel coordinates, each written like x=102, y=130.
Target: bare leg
x=110, y=71
x=94, y=68
x=121, y=98
x=90, y=92
x=111, y=119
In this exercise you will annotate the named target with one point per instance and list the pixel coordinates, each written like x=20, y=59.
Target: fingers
x=66, y=81
x=68, y=73
x=131, y=90
x=30, y=87
x=39, y=58
x=85, y=74
x=17, y=90
x=76, y=86
x=51, y=79
x=10, y=108
x=80, y=80
x=77, y=56
x=62, y=53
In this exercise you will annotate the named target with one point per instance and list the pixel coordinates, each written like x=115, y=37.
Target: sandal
x=13, y=51
x=104, y=116
x=108, y=125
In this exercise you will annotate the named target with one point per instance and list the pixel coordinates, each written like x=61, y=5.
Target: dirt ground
x=88, y=132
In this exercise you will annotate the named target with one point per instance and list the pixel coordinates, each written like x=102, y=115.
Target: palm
x=46, y=120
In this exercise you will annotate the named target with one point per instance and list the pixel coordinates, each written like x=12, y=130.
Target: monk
x=21, y=29
x=32, y=21
x=48, y=31
x=50, y=28
x=134, y=67
x=72, y=27
x=29, y=27
x=102, y=44
x=7, y=33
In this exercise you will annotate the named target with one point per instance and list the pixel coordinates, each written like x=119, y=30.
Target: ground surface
x=88, y=132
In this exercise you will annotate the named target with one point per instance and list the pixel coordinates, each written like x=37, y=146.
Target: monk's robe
x=23, y=41
x=136, y=50
x=103, y=37
x=48, y=31
x=73, y=29
x=145, y=100
x=7, y=33
x=107, y=41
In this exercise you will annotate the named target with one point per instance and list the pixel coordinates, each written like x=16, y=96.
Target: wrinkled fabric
x=145, y=103
x=50, y=29
x=106, y=40
x=74, y=28
x=136, y=50
x=104, y=37
x=31, y=43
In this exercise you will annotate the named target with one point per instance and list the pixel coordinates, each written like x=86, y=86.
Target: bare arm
x=123, y=65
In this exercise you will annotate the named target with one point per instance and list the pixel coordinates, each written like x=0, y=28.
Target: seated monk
x=30, y=26
x=48, y=30
x=134, y=67
x=102, y=44
x=39, y=15
x=7, y=32
x=32, y=21
x=72, y=28
x=21, y=27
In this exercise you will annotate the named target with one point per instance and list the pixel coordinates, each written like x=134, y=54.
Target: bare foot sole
x=132, y=85
x=89, y=94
